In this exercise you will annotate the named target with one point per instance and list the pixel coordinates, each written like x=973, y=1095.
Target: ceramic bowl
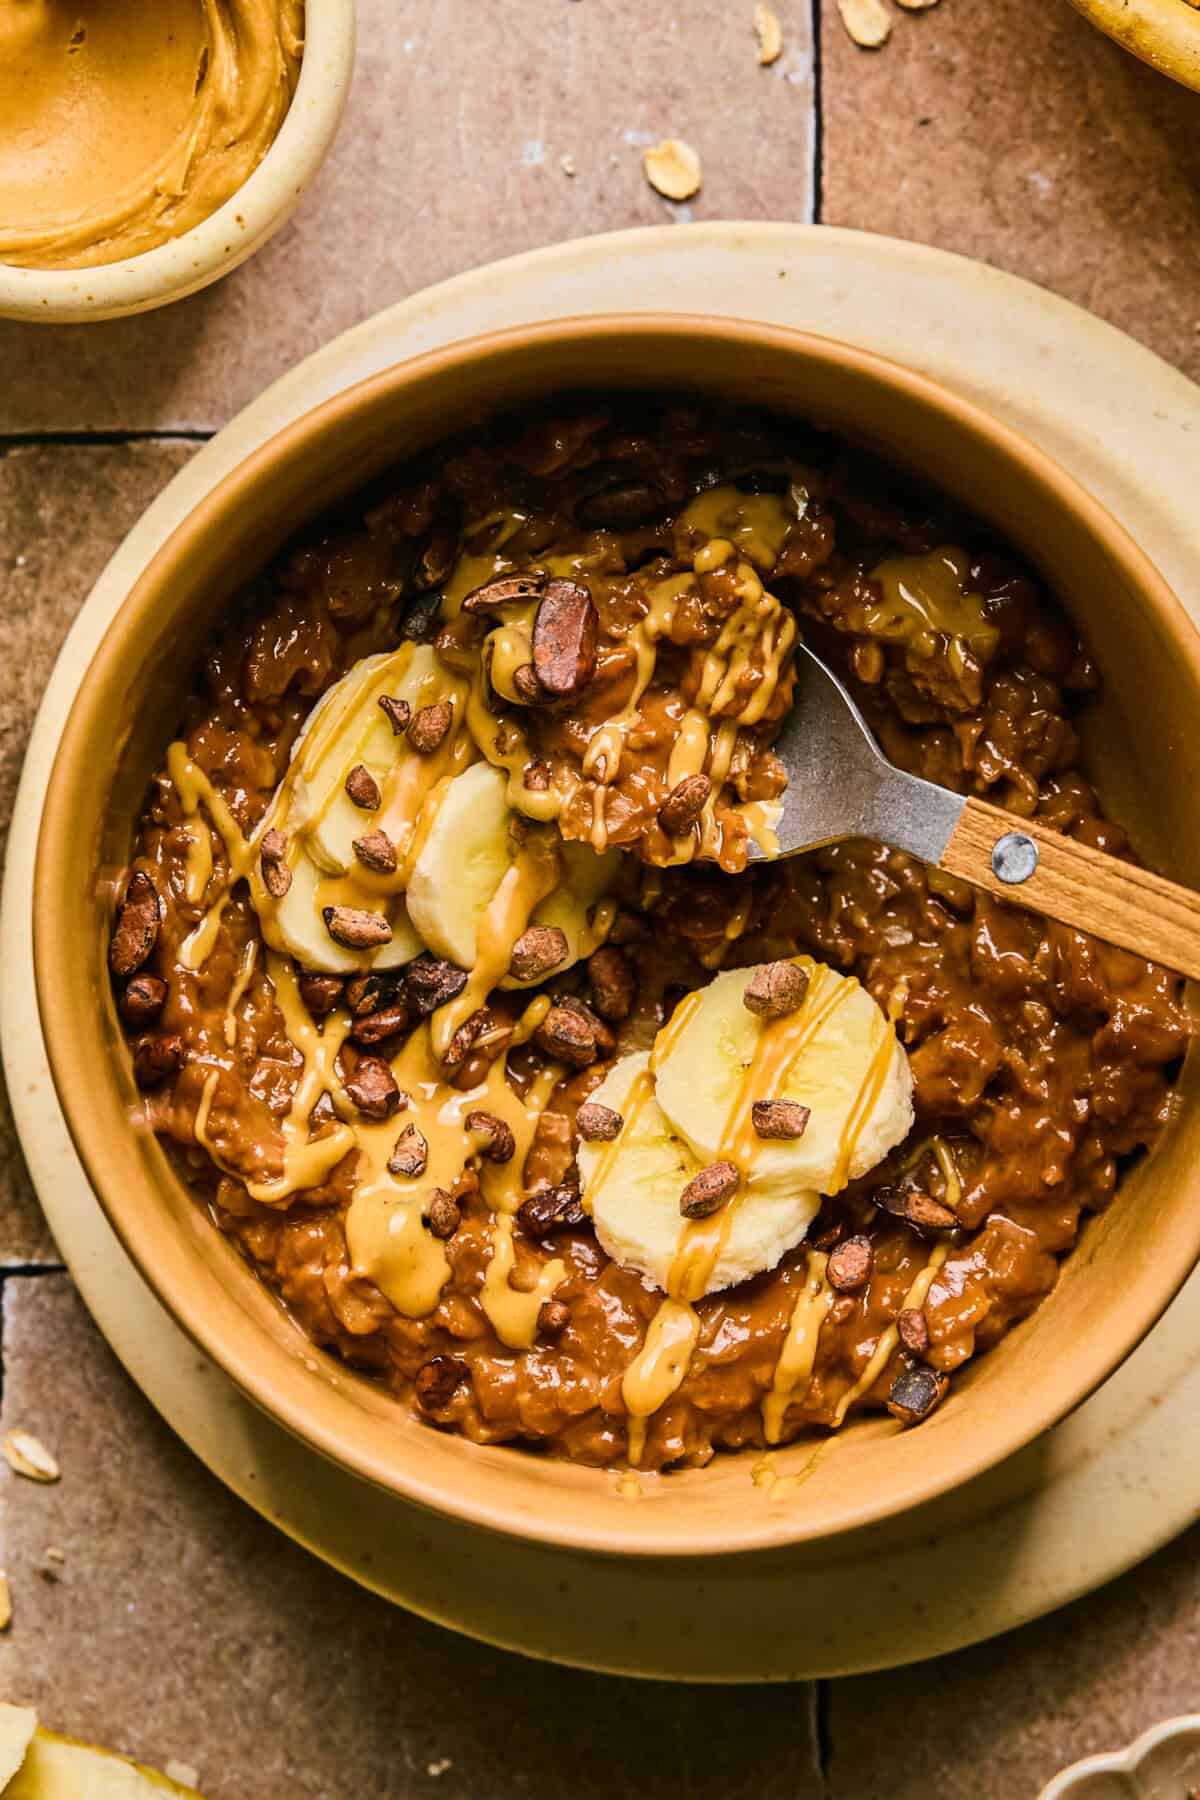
x=1145, y=755
x=1164, y=33
x=1163, y=1764
x=237, y=229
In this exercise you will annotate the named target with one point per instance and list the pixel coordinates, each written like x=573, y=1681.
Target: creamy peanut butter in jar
x=124, y=123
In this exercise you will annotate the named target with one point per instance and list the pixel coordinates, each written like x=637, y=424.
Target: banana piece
x=466, y=854
x=353, y=730
x=576, y=906
x=632, y=1187
x=17, y=1726
x=295, y=926
x=320, y=821
x=58, y=1768
x=849, y=1070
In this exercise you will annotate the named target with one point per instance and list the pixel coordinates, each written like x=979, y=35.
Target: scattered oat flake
x=868, y=21
x=181, y=1772
x=5, y=1603
x=672, y=169
x=567, y=163
x=923, y=5
x=769, y=32
x=28, y=1456
x=440, y=1767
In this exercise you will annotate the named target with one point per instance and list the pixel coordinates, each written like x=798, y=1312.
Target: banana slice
x=577, y=907
x=838, y=1055
x=320, y=822
x=295, y=925
x=347, y=728
x=58, y=1768
x=466, y=854
x=632, y=1187
x=17, y=1726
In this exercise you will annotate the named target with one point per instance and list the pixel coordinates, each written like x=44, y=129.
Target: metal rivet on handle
x=1015, y=857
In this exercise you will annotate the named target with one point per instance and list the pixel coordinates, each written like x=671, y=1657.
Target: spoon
x=840, y=785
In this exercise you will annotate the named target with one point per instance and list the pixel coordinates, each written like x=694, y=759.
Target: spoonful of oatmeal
x=840, y=785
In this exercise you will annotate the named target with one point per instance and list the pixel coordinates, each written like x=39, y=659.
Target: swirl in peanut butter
x=123, y=126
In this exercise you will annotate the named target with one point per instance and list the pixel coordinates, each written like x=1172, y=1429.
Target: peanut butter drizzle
x=872, y=1087
x=949, y=1168
x=735, y=925
x=506, y=747
x=306, y=1163
x=666, y=1040
x=241, y=982
x=535, y=874
x=658, y=1368
x=194, y=787
x=754, y=524
x=640, y=1092
x=937, y=1147
x=765, y=1473
x=408, y=784
x=514, y=1312
x=477, y=567
x=793, y=1371
x=781, y=1042
x=760, y=629
x=385, y=1228
x=509, y=648
x=915, y=1297
x=689, y=753
x=762, y=817
x=924, y=595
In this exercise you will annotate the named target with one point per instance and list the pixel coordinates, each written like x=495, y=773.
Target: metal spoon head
x=840, y=785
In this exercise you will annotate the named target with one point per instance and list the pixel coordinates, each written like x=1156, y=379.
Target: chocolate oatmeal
x=439, y=930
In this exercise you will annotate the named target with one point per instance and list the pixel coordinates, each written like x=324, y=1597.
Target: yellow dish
x=1138, y=1252
x=1164, y=33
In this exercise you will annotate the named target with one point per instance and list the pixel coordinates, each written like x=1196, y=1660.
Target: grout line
x=16, y=440
x=823, y=1720
x=818, y=143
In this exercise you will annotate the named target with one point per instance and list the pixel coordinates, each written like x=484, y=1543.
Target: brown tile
x=183, y=1625
x=1018, y=134
x=63, y=510
x=1002, y=1718
x=449, y=156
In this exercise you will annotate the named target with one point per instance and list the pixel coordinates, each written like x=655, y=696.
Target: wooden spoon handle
x=1019, y=860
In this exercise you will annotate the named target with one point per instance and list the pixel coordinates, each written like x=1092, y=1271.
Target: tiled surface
x=63, y=510
x=1001, y=1719
x=182, y=1625
x=1018, y=134
x=448, y=157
